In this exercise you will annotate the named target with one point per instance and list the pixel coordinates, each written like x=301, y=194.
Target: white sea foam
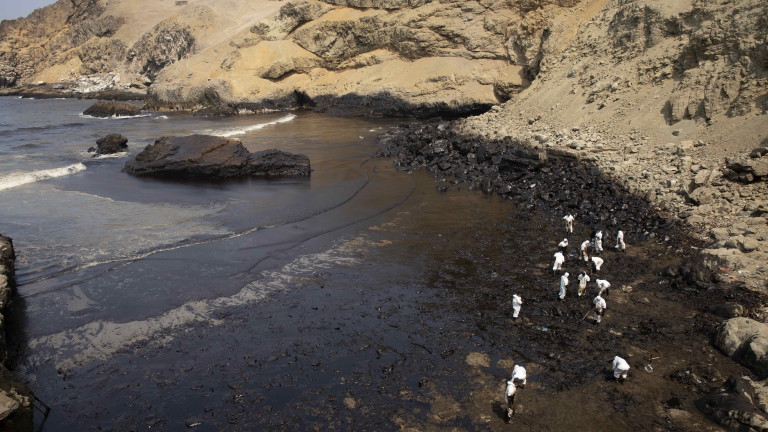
x=99, y=340
x=18, y=179
x=161, y=117
x=243, y=130
x=110, y=155
x=114, y=117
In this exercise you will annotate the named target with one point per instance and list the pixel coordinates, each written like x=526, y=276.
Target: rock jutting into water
x=112, y=109
x=15, y=397
x=212, y=156
x=112, y=143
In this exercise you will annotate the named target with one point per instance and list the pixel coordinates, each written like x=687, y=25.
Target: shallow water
x=352, y=300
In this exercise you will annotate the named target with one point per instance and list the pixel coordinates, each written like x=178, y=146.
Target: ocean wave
x=243, y=130
x=161, y=117
x=109, y=156
x=39, y=128
x=19, y=179
x=114, y=117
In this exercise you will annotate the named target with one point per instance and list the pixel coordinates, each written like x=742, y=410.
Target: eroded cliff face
x=387, y=57
x=402, y=56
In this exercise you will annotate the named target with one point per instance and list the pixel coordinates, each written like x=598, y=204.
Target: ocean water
x=105, y=259
x=248, y=304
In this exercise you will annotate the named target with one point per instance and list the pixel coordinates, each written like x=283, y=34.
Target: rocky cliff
x=388, y=57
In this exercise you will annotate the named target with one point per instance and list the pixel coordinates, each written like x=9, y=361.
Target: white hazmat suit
x=620, y=241
x=569, y=222
x=602, y=286
x=583, y=279
x=563, y=284
x=509, y=398
x=559, y=260
x=517, y=302
x=584, y=249
x=600, y=307
x=620, y=368
x=597, y=262
x=519, y=376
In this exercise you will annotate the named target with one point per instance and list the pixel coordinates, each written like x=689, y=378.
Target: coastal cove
x=367, y=297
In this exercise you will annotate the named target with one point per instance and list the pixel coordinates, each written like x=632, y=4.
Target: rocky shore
x=16, y=400
x=651, y=191
x=708, y=212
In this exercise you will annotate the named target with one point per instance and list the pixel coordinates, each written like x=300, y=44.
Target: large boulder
x=112, y=109
x=741, y=404
x=746, y=341
x=112, y=143
x=212, y=156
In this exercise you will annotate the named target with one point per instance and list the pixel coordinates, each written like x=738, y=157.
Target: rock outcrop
x=15, y=398
x=746, y=341
x=213, y=157
x=112, y=109
x=112, y=143
x=741, y=404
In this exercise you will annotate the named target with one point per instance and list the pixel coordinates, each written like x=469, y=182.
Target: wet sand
x=405, y=324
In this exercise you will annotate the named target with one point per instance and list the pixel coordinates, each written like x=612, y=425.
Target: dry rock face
x=392, y=57
x=746, y=341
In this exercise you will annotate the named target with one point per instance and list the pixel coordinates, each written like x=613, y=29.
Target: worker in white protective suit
x=598, y=239
x=583, y=279
x=602, y=286
x=620, y=245
x=519, y=376
x=563, y=246
x=600, y=307
x=620, y=368
x=597, y=262
x=569, y=222
x=509, y=397
x=563, y=284
x=517, y=302
x=584, y=250
x=559, y=260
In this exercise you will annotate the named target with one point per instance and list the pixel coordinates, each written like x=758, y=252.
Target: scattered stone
x=727, y=310
x=110, y=144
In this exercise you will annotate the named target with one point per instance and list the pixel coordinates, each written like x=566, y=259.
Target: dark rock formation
x=15, y=397
x=211, y=156
x=737, y=405
x=112, y=108
x=112, y=143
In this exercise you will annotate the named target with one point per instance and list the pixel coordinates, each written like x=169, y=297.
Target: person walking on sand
x=602, y=286
x=600, y=307
x=569, y=222
x=563, y=284
x=583, y=279
x=563, y=245
x=584, y=250
x=517, y=302
x=620, y=368
x=597, y=262
x=620, y=245
x=559, y=260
